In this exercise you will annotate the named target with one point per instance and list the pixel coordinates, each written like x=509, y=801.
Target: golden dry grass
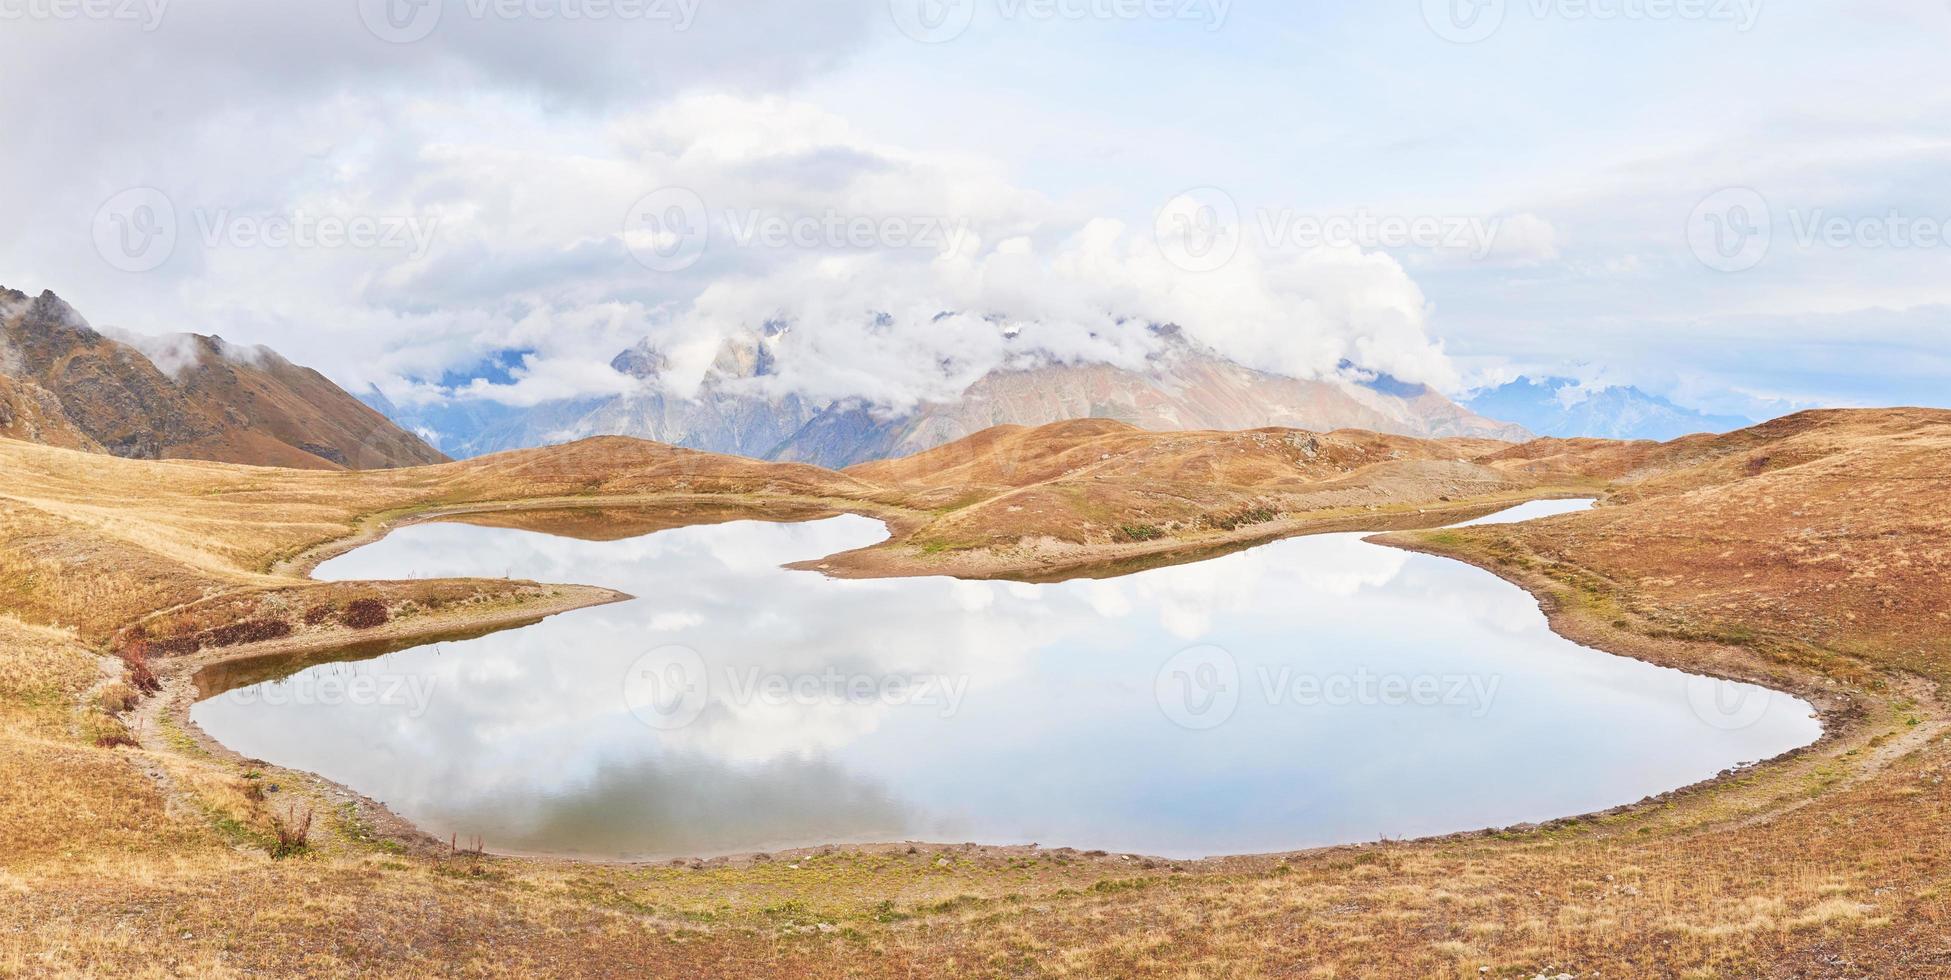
x=1714, y=554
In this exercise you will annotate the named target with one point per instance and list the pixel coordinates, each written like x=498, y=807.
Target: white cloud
x=531, y=255
x=523, y=143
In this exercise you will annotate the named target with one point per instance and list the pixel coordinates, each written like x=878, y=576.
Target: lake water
x=1309, y=691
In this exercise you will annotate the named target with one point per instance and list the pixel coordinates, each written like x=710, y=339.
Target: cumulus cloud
x=519, y=149
x=961, y=272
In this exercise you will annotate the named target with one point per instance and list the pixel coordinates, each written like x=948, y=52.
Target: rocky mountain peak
x=49, y=313
x=67, y=384
x=642, y=361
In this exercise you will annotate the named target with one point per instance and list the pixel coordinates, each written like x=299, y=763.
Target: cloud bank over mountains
x=1014, y=185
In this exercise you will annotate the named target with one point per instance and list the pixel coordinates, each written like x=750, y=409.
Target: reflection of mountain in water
x=680, y=804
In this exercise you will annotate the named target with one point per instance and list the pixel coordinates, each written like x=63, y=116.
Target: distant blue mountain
x=1557, y=407
x=467, y=427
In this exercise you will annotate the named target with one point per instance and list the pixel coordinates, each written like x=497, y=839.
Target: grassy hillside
x=1810, y=553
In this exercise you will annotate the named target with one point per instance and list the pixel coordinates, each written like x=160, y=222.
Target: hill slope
x=65, y=384
x=1809, y=554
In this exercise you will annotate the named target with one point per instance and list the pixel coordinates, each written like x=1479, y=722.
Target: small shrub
x=1245, y=518
x=247, y=631
x=293, y=832
x=119, y=697
x=176, y=646
x=1140, y=532
x=317, y=615
x=364, y=614
x=136, y=657
x=117, y=740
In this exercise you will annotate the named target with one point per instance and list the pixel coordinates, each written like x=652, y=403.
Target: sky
x=1739, y=204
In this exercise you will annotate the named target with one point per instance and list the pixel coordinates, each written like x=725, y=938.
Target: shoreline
x=1843, y=718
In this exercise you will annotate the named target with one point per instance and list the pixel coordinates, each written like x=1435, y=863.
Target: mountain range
x=64, y=383
x=1182, y=385
x=1568, y=408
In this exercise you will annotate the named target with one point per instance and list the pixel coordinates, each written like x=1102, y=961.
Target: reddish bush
x=293, y=831
x=136, y=656
x=317, y=615
x=176, y=646
x=364, y=614
x=246, y=631
x=117, y=740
